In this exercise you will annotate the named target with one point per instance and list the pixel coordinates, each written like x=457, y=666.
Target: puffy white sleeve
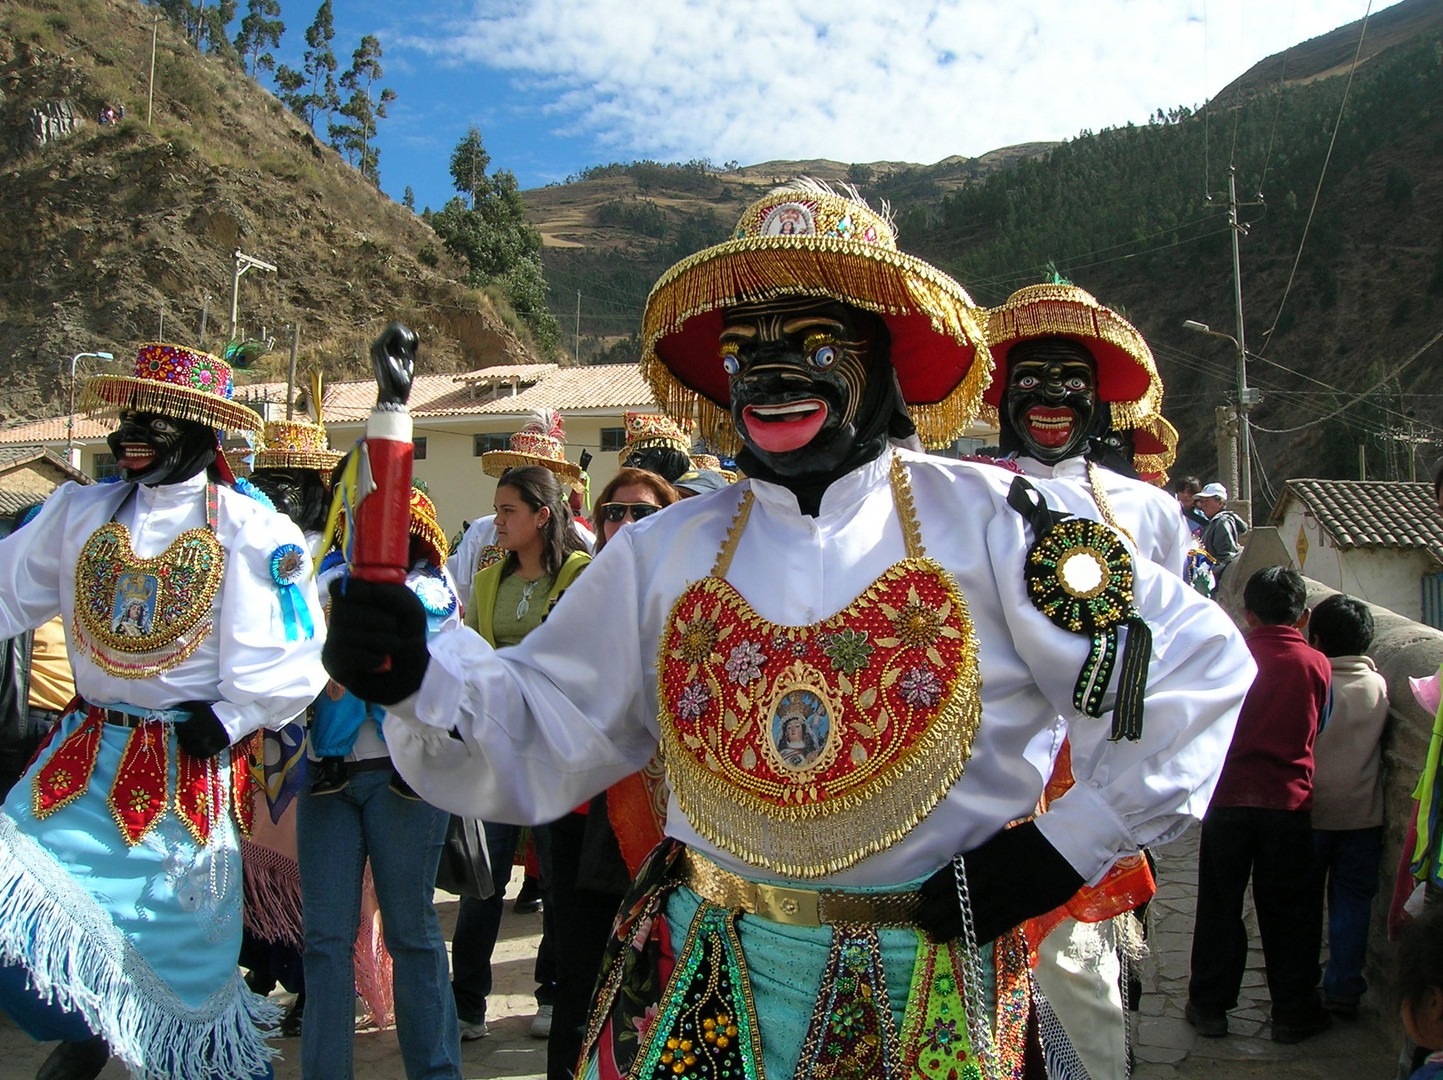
x=541, y=726
x=1128, y=794
x=30, y=564
x=270, y=666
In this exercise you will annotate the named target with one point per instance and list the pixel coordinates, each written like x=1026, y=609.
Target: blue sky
x=557, y=85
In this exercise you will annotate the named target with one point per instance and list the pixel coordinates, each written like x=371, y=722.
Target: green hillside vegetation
x=115, y=234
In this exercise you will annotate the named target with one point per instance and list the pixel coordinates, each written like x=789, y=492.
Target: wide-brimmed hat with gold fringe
x=647, y=430
x=1154, y=449
x=295, y=444
x=808, y=240
x=1126, y=373
x=542, y=441
x=177, y=382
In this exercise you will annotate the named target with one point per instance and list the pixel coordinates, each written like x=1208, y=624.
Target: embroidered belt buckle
x=793, y=906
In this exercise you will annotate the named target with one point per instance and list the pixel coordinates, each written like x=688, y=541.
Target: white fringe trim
x=77, y=959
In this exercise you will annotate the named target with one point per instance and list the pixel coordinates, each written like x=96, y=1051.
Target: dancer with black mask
x=854, y=909
x=120, y=872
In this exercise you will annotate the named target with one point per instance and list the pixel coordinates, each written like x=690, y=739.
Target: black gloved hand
x=203, y=735
x=1012, y=877
x=376, y=644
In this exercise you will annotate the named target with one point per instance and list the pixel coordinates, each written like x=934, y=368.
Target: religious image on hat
x=807, y=238
x=1126, y=373
x=177, y=382
x=541, y=441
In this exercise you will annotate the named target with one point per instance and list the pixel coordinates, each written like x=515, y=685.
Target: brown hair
x=657, y=485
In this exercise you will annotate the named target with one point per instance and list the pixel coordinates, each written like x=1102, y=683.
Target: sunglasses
x=616, y=512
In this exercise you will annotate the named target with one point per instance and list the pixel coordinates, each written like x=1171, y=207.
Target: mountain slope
x=115, y=234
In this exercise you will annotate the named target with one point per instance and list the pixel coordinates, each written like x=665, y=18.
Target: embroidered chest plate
x=808, y=748
x=137, y=617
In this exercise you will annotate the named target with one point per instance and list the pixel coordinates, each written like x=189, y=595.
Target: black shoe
x=1296, y=1033
x=1209, y=1024
x=328, y=776
x=528, y=900
x=291, y=1022
x=401, y=788
x=75, y=1060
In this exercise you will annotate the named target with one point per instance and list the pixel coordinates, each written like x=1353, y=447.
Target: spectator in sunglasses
x=632, y=494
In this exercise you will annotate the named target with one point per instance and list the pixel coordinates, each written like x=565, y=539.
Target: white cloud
x=862, y=80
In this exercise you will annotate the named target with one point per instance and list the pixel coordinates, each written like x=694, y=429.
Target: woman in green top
x=508, y=600
x=543, y=556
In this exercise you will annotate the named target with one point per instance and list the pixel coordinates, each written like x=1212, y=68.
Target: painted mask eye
x=731, y=363
x=821, y=350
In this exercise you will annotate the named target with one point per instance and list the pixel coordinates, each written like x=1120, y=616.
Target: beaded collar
x=809, y=748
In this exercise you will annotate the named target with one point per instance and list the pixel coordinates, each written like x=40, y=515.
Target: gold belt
x=795, y=906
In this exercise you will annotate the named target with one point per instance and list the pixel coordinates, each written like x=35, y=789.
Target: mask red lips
x=137, y=457
x=1050, y=427
x=780, y=429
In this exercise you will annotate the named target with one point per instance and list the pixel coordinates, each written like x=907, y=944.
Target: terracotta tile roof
x=566, y=389
x=1369, y=513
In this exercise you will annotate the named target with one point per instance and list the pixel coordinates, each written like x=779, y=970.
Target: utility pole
x=1245, y=399
x=243, y=262
x=291, y=374
x=150, y=104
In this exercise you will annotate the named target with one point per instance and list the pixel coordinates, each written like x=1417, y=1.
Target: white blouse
x=550, y=722
x=246, y=666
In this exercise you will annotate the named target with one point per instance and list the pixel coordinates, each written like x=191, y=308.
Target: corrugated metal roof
x=1370, y=513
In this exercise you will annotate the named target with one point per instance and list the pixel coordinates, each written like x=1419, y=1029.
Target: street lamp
x=70, y=417
x=1245, y=400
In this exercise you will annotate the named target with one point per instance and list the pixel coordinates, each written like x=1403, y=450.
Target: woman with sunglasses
x=509, y=599
x=630, y=495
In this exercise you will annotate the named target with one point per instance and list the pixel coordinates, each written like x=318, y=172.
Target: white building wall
x=1388, y=577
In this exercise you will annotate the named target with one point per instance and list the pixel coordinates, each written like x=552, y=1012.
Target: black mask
x=665, y=461
x=1050, y=409
x=152, y=449
x=813, y=394
x=300, y=494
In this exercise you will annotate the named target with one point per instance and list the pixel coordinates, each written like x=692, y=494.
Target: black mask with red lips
x=1050, y=409
x=153, y=449
x=813, y=394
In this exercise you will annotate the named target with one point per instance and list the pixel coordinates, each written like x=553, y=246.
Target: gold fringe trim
x=176, y=402
x=816, y=840
x=887, y=283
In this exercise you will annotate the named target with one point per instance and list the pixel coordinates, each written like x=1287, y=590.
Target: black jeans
x=1275, y=849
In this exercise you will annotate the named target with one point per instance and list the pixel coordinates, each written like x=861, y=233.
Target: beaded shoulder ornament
x=137, y=617
x=808, y=748
x=1079, y=574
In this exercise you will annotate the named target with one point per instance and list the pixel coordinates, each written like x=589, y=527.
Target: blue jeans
x=403, y=837
x=1347, y=862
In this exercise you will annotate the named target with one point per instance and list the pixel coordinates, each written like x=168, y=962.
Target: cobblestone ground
x=1166, y=1047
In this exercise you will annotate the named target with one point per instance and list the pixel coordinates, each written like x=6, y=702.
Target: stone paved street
x=1167, y=1047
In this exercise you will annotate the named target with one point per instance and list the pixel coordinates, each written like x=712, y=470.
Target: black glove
x=1012, y=877
x=202, y=736
x=376, y=644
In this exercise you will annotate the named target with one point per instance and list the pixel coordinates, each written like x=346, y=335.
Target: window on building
x=613, y=438
x=104, y=467
x=419, y=448
x=483, y=443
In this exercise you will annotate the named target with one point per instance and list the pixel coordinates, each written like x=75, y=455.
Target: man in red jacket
x=1259, y=826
